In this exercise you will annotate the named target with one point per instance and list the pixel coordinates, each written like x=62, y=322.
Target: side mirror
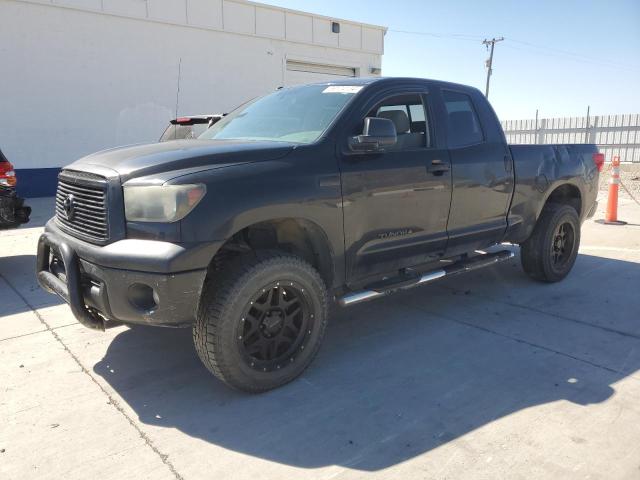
x=376, y=134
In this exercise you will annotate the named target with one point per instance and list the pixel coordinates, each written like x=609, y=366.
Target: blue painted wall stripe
x=37, y=182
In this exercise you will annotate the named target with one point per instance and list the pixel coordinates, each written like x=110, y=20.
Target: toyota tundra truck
x=338, y=192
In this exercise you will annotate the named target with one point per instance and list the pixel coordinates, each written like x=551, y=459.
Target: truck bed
x=539, y=170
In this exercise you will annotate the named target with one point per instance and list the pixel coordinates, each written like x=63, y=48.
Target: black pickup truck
x=342, y=191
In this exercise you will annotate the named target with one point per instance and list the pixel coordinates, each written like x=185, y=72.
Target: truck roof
x=381, y=80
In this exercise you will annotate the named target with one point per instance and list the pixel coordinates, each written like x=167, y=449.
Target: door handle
x=438, y=167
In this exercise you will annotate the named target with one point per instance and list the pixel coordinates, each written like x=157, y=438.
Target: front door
x=396, y=203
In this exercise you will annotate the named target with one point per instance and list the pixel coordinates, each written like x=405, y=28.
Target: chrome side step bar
x=382, y=289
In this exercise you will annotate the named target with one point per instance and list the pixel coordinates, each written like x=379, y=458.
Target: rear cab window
x=463, y=125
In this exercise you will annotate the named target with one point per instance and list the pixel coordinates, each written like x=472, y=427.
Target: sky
x=558, y=56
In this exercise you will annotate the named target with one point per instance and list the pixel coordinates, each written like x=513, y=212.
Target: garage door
x=305, y=72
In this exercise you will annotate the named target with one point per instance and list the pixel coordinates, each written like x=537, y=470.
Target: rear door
x=482, y=173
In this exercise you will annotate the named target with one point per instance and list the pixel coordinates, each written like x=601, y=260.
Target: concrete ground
x=483, y=376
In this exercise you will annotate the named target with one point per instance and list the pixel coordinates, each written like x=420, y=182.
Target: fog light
x=143, y=297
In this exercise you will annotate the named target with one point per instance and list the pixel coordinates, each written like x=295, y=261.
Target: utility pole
x=489, y=62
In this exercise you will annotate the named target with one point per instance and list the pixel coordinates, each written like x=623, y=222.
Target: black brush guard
x=70, y=291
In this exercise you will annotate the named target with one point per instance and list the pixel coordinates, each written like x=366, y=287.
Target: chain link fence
x=614, y=134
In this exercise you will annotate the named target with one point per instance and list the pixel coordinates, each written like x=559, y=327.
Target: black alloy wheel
x=562, y=245
x=273, y=328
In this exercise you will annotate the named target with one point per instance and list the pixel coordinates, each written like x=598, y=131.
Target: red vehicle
x=13, y=212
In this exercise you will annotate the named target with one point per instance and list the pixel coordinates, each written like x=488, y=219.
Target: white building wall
x=82, y=75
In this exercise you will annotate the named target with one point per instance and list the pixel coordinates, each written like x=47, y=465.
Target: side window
x=417, y=113
x=407, y=112
x=418, y=120
x=463, y=124
x=389, y=108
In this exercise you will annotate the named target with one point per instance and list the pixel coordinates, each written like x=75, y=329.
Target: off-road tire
x=537, y=252
x=225, y=300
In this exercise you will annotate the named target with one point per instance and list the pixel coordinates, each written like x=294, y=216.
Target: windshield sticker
x=342, y=89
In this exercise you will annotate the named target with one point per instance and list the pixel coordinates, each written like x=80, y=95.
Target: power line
x=553, y=49
x=489, y=62
x=555, y=52
x=531, y=47
x=452, y=36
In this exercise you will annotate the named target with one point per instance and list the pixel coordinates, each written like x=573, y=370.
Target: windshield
x=298, y=115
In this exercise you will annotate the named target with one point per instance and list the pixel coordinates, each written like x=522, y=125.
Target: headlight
x=166, y=203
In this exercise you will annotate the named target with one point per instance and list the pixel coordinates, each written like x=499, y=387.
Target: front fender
x=294, y=187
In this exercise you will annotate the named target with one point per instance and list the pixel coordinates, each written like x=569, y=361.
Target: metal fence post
x=541, y=131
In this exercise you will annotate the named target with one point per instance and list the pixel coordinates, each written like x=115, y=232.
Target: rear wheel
x=549, y=254
x=261, y=321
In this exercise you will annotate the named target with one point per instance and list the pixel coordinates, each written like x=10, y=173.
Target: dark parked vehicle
x=13, y=211
x=342, y=191
x=189, y=127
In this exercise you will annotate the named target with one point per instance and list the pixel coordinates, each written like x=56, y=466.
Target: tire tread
x=533, y=250
x=220, y=291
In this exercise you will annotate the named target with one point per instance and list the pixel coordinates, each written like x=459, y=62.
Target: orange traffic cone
x=611, y=216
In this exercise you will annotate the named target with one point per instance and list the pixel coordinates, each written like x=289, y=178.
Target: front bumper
x=130, y=281
x=13, y=211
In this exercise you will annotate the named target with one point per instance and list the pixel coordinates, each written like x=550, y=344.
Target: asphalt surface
x=481, y=376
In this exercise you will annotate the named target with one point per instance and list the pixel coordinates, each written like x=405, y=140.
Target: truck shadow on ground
x=398, y=377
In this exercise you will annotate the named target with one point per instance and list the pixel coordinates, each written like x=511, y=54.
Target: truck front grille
x=81, y=205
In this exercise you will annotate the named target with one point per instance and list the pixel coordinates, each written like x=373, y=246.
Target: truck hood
x=178, y=155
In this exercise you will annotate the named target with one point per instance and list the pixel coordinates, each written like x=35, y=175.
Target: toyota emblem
x=69, y=207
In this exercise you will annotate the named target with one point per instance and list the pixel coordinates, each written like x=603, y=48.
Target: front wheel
x=549, y=253
x=261, y=321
